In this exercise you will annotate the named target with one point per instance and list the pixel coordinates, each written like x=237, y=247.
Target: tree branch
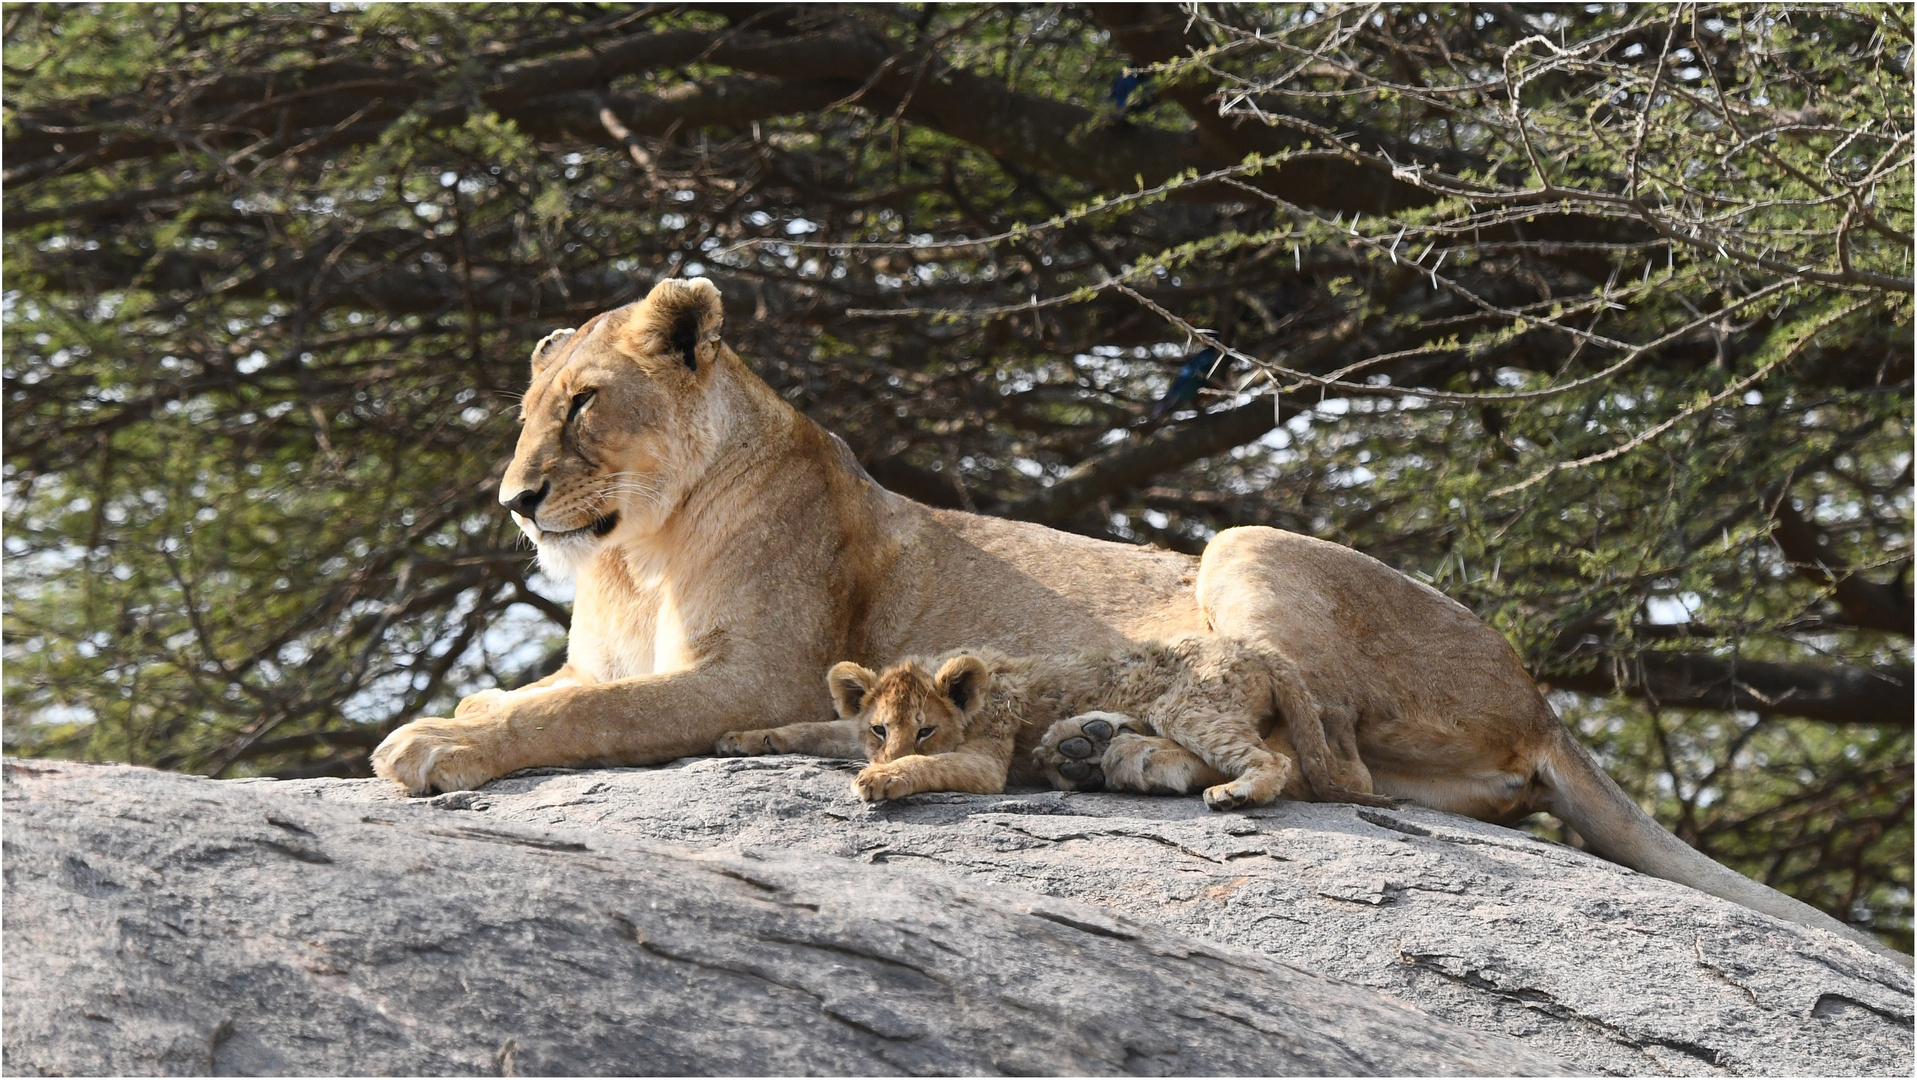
x=297, y=99
x=1134, y=461
x=1036, y=132
x=1835, y=694
x=1155, y=33
x=1865, y=604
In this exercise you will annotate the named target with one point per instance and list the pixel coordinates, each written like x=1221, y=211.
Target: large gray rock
x=751, y=916
x=161, y=923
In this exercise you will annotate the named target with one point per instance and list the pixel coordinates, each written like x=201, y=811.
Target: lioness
x=726, y=550
x=983, y=712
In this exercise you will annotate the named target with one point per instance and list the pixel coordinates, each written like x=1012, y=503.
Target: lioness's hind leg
x=1070, y=752
x=1245, y=583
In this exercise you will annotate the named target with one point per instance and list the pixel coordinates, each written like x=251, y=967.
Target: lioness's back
x=1025, y=588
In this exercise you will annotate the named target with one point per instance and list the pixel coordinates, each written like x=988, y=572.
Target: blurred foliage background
x=1596, y=317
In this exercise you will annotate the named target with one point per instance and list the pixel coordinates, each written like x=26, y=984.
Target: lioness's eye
x=879, y=730
x=926, y=733
x=579, y=402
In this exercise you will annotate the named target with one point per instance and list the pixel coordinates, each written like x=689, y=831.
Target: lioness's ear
x=849, y=684
x=964, y=680
x=680, y=318
x=548, y=348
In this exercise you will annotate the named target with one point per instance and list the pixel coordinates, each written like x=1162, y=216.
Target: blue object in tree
x=1129, y=93
x=1200, y=368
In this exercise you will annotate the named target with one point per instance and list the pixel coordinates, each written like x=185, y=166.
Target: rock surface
x=750, y=916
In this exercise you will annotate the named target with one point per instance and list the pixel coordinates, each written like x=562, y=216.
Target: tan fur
x=750, y=551
x=963, y=727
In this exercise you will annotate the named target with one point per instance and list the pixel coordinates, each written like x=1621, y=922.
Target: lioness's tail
x=1304, y=722
x=1613, y=826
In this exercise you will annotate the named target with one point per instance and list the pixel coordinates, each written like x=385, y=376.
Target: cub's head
x=621, y=420
x=903, y=710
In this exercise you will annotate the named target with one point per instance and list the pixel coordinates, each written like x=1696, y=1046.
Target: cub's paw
x=438, y=755
x=877, y=783
x=1069, y=754
x=747, y=743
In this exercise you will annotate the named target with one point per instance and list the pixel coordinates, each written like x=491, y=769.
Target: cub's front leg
x=832, y=738
x=980, y=773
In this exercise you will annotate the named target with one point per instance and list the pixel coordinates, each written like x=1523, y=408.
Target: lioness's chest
x=624, y=624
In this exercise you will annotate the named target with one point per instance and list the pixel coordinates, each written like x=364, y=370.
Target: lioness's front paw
x=437, y=755
x=876, y=783
x=1070, y=752
x=746, y=743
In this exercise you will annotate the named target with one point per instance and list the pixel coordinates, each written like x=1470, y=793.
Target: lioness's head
x=618, y=424
x=903, y=710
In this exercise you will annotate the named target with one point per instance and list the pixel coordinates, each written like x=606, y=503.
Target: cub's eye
x=926, y=733
x=579, y=402
x=879, y=730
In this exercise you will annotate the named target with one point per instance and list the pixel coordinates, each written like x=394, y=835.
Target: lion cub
x=961, y=721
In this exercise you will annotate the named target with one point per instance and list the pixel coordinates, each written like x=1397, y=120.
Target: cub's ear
x=849, y=684
x=680, y=318
x=548, y=349
x=964, y=680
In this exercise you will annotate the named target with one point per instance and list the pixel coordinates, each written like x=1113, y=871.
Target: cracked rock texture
x=750, y=916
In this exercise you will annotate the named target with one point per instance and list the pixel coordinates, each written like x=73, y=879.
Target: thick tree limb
x=1135, y=461
x=1864, y=603
x=1834, y=694
x=1036, y=132
x=721, y=101
x=559, y=95
x=1042, y=133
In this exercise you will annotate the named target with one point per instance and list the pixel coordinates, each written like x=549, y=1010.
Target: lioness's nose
x=527, y=501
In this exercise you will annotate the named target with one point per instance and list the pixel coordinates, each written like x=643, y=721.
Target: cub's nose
x=526, y=502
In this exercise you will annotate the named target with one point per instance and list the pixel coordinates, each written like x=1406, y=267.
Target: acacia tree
x=1596, y=317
